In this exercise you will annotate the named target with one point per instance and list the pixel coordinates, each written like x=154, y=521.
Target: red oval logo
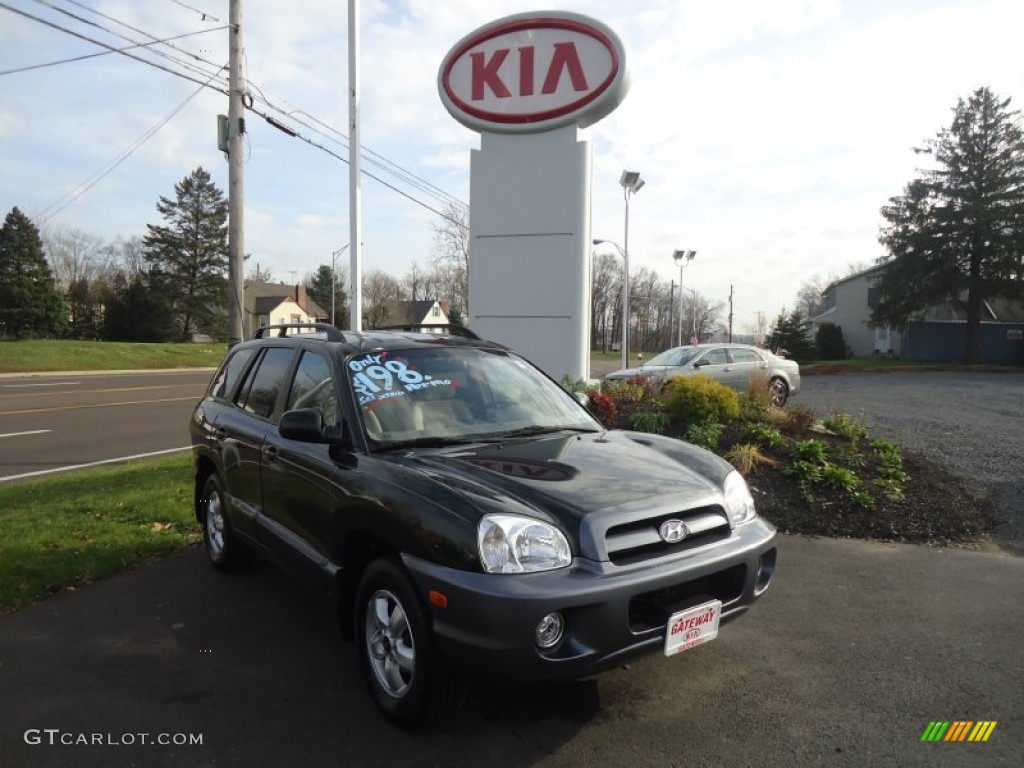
x=527, y=73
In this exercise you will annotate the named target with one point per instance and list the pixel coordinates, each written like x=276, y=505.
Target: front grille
x=651, y=610
x=639, y=540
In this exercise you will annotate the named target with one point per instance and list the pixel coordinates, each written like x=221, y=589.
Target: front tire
x=400, y=665
x=778, y=391
x=222, y=547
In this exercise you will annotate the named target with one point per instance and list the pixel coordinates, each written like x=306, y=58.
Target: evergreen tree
x=188, y=256
x=319, y=286
x=792, y=333
x=829, y=342
x=30, y=304
x=136, y=312
x=956, y=234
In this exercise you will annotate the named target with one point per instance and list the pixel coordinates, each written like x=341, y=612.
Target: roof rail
x=450, y=328
x=332, y=333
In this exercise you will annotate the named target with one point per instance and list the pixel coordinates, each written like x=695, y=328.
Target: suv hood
x=565, y=477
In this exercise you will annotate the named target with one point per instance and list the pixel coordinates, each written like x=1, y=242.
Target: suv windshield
x=677, y=356
x=452, y=394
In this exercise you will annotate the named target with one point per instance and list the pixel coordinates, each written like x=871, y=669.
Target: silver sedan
x=731, y=364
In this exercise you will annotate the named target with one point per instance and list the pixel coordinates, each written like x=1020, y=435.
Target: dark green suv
x=471, y=519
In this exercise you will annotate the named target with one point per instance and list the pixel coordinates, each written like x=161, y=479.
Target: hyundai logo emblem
x=673, y=531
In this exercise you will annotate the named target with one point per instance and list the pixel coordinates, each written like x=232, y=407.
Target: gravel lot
x=971, y=423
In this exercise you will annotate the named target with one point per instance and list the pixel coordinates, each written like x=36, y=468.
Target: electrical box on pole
x=222, y=133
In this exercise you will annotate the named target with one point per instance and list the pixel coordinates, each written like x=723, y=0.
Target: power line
x=196, y=10
x=77, y=192
x=187, y=64
x=408, y=178
x=110, y=48
x=107, y=53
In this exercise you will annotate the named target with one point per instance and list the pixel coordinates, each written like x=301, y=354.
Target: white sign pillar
x=529, y=277
x=528, y=83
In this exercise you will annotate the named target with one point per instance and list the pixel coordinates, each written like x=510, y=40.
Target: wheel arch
x=361, y=549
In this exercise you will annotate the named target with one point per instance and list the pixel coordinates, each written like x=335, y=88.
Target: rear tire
x=779, y=392
x=222, y=547
x=397, y=656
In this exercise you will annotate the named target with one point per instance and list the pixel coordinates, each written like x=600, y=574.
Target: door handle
x=270, y=452
x=220, y=433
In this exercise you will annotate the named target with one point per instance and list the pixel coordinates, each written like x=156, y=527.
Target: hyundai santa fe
x=471, y=520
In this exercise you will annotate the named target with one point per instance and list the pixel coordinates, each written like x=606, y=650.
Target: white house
x=275, y=303
x=848, y=304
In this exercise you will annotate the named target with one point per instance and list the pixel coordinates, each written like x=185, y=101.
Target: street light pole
x=631, y=184
x=334, y=278
x=682, y=258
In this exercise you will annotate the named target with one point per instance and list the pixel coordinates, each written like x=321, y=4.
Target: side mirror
x=582, y=399
x=700, y=363
x=303, y=424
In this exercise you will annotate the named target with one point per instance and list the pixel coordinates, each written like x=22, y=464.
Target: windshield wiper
x=539, y=430
x=426, y=442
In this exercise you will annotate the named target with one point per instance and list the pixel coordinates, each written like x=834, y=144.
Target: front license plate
x=692, y=627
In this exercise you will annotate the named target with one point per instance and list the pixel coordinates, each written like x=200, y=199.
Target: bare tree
x=380, y=291
x=758, y=328
x=451, y=256
x=605, y=306
x=259, y=275
x=73, y=255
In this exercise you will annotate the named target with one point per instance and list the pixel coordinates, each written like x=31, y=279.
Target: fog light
x=765, y=572
x=549, y=630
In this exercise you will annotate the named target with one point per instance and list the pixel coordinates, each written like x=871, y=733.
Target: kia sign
x=534, y=72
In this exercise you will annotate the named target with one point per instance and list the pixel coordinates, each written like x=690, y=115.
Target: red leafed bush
x=603, y=406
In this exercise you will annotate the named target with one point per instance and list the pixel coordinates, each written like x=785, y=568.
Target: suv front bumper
x=611, y=612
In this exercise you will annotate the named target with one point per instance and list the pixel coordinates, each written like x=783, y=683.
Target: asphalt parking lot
x=845, y=661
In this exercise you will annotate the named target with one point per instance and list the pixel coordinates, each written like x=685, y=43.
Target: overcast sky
x=769, y=132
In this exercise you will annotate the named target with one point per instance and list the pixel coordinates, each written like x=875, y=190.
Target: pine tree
x=30, y=304
x=956, y=234
x=791, y=333
x=319, y=286
x=188, y=256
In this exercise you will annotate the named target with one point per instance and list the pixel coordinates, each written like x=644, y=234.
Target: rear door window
x=230, y=372
x=259, y=393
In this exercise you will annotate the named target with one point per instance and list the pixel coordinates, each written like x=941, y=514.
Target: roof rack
x=450, y=328
x=329, y=331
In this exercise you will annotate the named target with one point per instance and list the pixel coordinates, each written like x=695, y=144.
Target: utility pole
x=355, y=200
x=236, y=128
x=730, y=312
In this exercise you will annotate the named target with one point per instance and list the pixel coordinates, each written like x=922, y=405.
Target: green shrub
x=812, y=451
x=840, y=478
x=705, y=434
x=698, y=399
x=829, y=342
x=845, y=425
x=766, y=435
x=805, y=472
x=864, y=499
x=573, y=385
x=649, y=421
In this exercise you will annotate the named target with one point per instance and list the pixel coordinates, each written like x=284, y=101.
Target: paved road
x=844, y=662
x=52, y=422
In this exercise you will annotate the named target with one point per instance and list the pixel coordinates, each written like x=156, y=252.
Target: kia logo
x=529, y=73
x=673, y=531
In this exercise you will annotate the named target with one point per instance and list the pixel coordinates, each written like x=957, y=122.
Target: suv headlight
x=514, y=544
x=738, y=501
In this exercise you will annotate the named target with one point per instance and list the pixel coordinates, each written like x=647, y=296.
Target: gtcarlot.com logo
x=55, y=737
x=958, y=730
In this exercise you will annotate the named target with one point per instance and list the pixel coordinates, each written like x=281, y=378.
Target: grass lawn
x=62, y=532
x=46, y=355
